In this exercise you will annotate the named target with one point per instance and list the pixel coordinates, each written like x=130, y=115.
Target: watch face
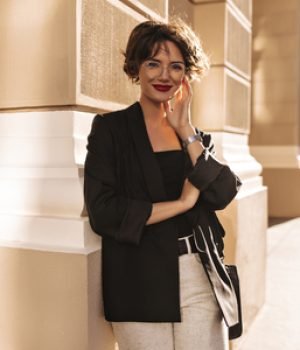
x=191, y=139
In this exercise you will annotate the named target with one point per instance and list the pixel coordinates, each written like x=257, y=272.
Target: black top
x=172, y=166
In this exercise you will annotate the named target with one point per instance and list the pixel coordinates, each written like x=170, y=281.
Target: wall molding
x=41, y=181
x=233, y=150
x=68, y=235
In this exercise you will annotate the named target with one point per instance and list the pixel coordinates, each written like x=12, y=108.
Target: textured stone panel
x=225, y=37
x=237, y=103
x=238, y=50
x=37, y=60
x=159, y=7
x=245, y=6
x=222, y=102
x=105, y=31
x=183, y=8
x=208, y=101
x=209, y=25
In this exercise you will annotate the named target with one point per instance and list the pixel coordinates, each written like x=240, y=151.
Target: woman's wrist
x=165, y=210
x=187, y=202
x=184, y=204
x=186, y=131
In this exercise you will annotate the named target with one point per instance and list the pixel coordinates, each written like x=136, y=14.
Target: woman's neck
x=161, y=135
x=154, y=113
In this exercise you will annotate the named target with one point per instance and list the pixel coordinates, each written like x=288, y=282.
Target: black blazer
x=122, y=180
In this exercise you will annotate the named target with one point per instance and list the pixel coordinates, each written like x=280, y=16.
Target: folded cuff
x=206, y=170
x=134, y=221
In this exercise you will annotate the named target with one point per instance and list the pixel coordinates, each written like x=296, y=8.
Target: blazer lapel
x=150, y=167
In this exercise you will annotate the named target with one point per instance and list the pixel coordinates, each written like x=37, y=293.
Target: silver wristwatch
x=191, y=139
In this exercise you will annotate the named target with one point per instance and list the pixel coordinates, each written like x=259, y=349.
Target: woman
x=149, y=180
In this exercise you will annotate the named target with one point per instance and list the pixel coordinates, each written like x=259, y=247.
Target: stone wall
x=275, y=134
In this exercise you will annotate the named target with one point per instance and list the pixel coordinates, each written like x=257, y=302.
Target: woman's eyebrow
x=157, y=60
x=177, y=62
x=153, y=59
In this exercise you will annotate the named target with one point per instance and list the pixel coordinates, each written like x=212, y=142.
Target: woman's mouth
x=162, y=88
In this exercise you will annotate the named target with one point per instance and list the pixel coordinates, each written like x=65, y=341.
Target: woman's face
x=161, y=75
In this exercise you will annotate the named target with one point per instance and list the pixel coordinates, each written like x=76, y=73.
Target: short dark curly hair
x=147, y=36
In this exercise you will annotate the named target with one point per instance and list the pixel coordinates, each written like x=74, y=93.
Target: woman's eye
x=177, y=67
x=152, y=64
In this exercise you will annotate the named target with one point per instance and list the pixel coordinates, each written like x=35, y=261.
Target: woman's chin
x=158, y=99
x=163, y=99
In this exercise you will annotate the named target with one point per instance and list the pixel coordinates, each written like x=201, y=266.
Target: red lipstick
x=162, y=88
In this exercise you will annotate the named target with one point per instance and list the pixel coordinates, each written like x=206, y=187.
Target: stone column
x=275, y=136
x=60, y=63
x=221, y=106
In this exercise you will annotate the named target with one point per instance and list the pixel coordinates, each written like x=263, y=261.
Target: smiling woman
x=149, y=182
x=161, y=76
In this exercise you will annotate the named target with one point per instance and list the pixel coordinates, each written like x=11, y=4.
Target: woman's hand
x=165, y=210
x=178, y=112
x=189, y=195
x=179, y=119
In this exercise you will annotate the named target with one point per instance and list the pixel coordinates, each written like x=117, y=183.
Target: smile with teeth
x=162, y=88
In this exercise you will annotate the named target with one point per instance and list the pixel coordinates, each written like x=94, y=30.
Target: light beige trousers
x=202, y=326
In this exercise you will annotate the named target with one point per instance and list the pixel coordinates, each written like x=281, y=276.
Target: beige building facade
x=60, y=63
x=275, y=133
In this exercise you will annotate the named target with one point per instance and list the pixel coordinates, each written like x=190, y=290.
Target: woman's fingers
x=177, y=109
x=187, y=88
x=168, y=108
x=189, y=194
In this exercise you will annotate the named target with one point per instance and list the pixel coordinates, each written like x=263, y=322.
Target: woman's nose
x=164, y=74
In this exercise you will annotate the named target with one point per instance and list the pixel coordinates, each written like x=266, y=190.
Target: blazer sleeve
x=110, y=213
x=218, y=185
